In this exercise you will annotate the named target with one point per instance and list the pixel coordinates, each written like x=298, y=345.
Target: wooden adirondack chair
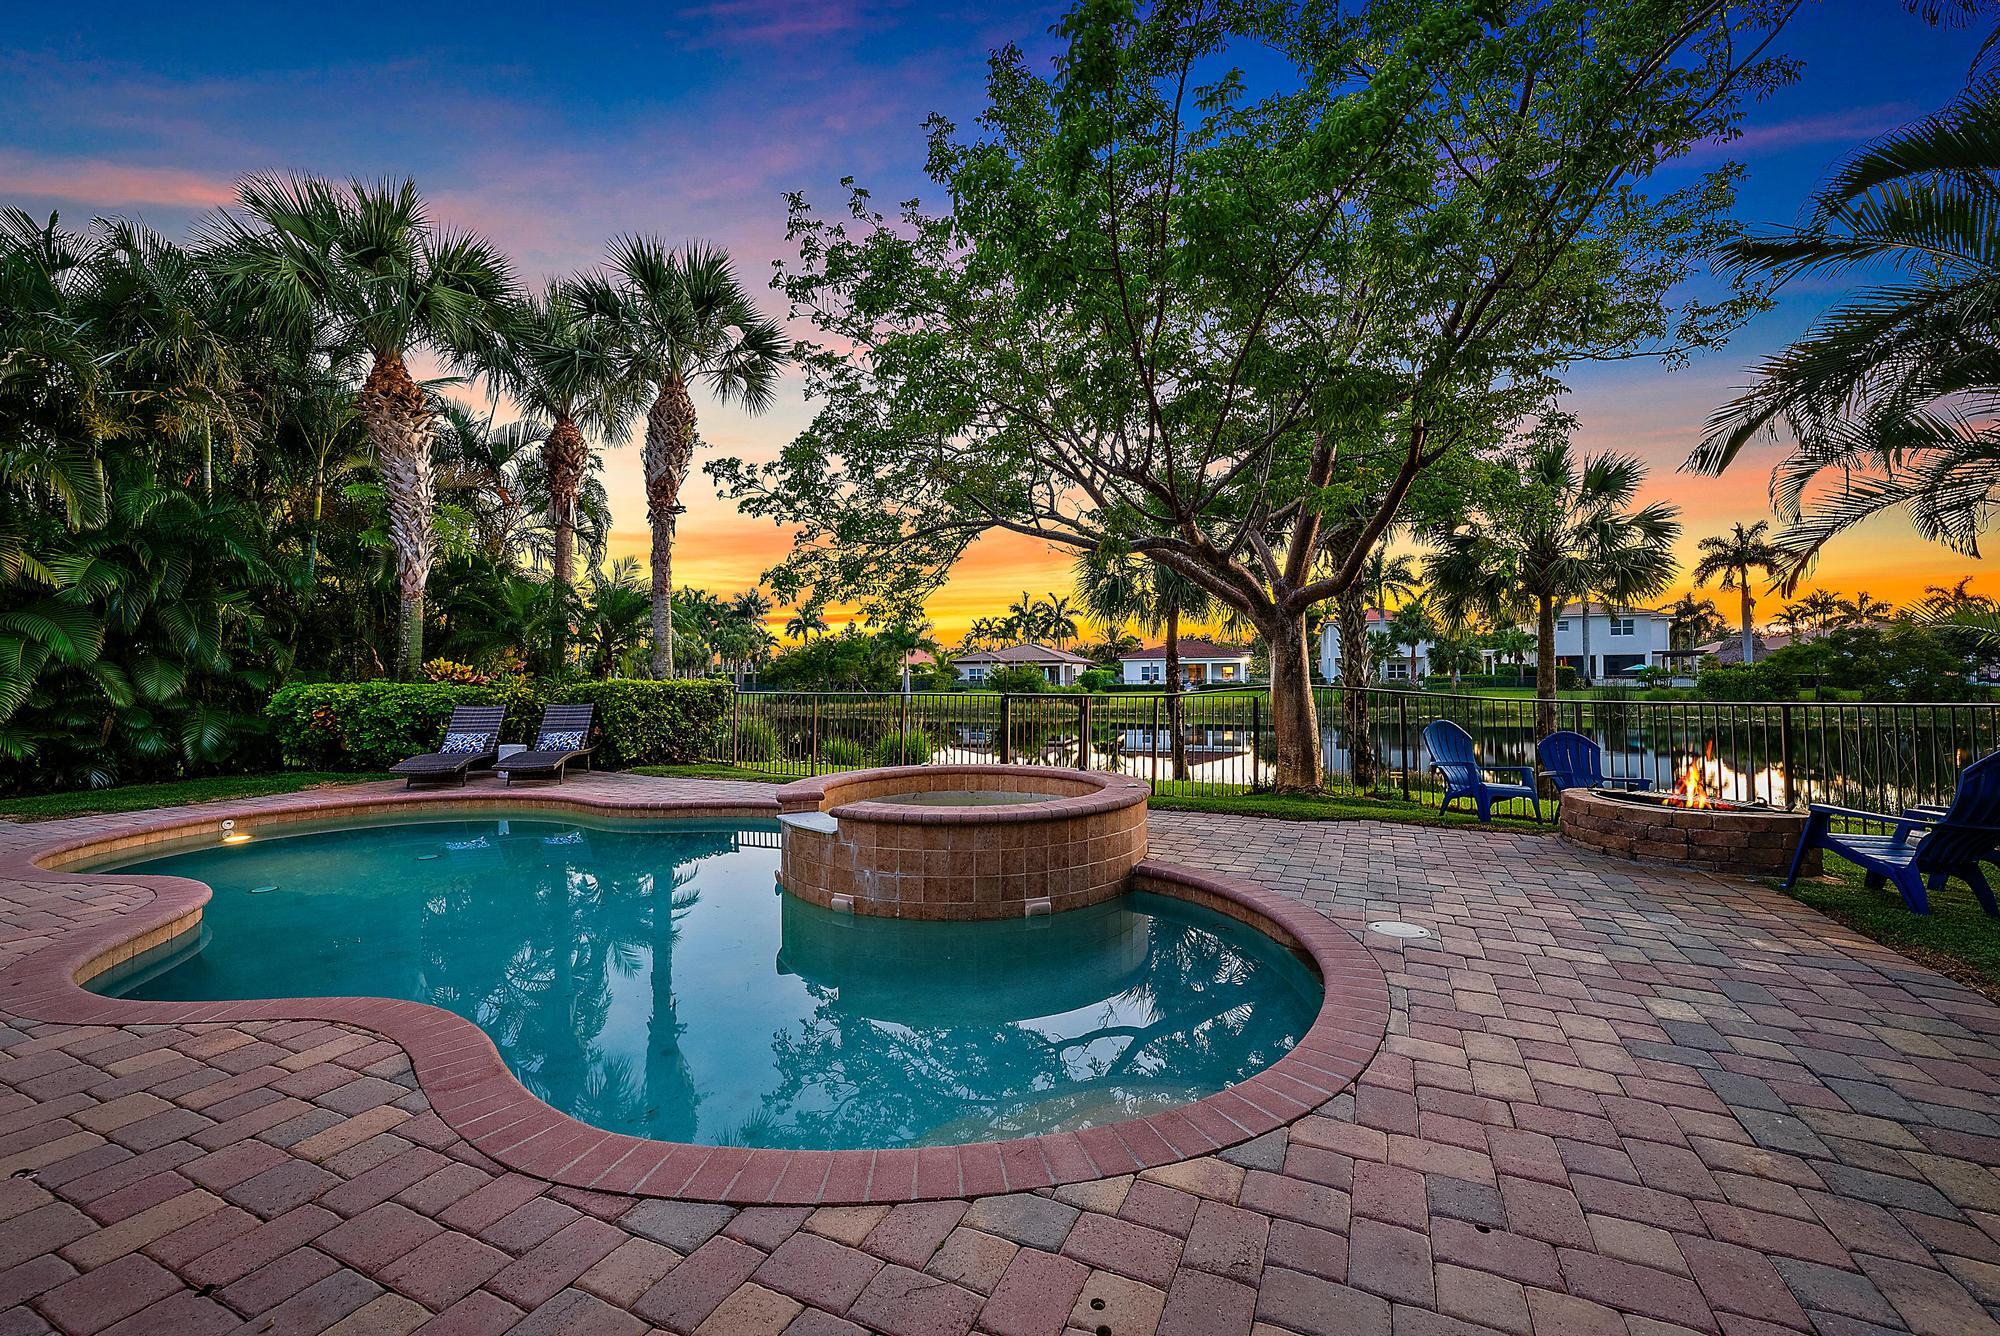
x=1924, y=845
x=1574, y=761
x=1453, y=758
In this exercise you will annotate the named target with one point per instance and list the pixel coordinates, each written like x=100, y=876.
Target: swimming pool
x=651, y=978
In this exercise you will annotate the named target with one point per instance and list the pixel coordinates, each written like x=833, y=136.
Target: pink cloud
x=104, y=183
x=1851, y=126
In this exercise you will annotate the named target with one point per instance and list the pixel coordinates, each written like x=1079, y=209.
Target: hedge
x=372, y=725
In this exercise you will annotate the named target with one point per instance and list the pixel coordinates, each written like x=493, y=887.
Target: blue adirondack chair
x=1464, y=777
x=1574, y=761
x=1925, y=845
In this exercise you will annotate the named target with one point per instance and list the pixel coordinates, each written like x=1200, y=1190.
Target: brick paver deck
x=1613, y=1100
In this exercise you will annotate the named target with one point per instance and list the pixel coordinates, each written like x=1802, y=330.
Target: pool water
x=650, y=978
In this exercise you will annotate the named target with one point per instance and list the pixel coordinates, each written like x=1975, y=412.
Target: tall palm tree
x=687, y=322
x=362, y=267
x=1388, y=577
x=1731, y=558
x=805, y=623
x=1547, y=532
x=1864, y=609
x=1815, y=612
x=1893, y=396
x=1959, y=595
x=1118, y=588
x=1025, y=617
x=1692, y=621
x=1410, y=626
x=561, y=361
x=1058, y=620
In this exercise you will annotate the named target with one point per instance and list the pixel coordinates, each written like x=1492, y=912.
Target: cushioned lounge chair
x=563, y=737
x=1453, y=758
x=1574, y=761
x=471, y=742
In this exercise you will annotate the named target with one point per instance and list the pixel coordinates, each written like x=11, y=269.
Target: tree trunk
x=1589, y=677
x=1356, y=672
x=397, y=416
x=1294, y=721
x=1545, y=667
x=1749, y=631
x=1177, y=739
x=670, y=428
x=565, y=460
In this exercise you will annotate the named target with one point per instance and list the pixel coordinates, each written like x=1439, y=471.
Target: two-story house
x=1621, y=640
x=1389, y=667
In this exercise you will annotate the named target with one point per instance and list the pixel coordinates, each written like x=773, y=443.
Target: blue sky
x=553, y=128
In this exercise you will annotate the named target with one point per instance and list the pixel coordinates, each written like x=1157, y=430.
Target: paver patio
x=1613, y=1099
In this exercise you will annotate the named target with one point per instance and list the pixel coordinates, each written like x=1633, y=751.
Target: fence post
x=1083, y=733
x=1006, y=729
x=1785, y=756
x=812, y=756
x=1153, y=746
x=1256, y=731
x=736, y=732
x=1409, y=752
x=903, y=734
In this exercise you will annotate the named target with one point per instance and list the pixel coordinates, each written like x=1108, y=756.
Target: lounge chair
x=563, y=737
x=1453, y=758
x=1924, y=845
x=1574, y=761
x=471, y=742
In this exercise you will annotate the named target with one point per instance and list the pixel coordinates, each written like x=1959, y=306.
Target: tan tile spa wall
x=1055, y=840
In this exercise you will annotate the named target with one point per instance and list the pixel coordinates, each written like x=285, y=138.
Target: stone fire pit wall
x=903, y=860
x=1748, y=842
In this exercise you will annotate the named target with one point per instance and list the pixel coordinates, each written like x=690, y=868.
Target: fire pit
x=1689, y=825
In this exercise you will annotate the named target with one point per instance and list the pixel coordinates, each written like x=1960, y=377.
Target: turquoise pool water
x=651, y=979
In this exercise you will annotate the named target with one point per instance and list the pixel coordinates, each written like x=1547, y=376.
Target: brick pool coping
x=460, y=1072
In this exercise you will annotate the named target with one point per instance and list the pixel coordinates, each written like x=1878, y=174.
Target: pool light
x=230, y=835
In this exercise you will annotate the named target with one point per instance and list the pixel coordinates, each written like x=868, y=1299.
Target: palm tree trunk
x=1589, y=678
x=565, y=459
x=1545, y=666
x=397, y=416
x=1177, y=743
x=1749, y=631
x=670, y=428
x=1355, y=674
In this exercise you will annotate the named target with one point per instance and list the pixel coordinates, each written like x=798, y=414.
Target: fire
x=1691, y=789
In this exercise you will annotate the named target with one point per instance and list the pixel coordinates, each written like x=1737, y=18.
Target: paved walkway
x=1614, y=1102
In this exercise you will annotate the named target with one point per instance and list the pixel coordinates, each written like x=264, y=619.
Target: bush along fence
x=372, y=725
x=1879, y=756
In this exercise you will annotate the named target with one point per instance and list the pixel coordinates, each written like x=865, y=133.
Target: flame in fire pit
x=1691, y=789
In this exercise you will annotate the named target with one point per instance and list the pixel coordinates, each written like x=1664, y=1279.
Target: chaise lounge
x=471, y=742
x=563, y=737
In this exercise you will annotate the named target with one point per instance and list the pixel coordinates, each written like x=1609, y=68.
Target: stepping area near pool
x=1611, y=1098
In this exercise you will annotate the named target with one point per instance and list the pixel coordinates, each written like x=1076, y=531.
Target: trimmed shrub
x=372, y=725
x=843, y=754
x=911, y=748
x=1097, y=679
x=1018, y=679
x=756, y=741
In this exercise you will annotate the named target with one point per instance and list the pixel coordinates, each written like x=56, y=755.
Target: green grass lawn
x=1955, y=938
x=173, y=793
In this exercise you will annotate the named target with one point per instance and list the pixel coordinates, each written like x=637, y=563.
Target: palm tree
x=1864, y=609
x=1025, y=616
x=805, y=623
x=619, y=610
x=1387, y=577
x=1894, y=395
x=752, y=606
x=1119, y=588
x=686, y=322
x=363, y=267
x=1547, y=533
x=1692, y=621
x=1946, y=600
x=1058, y=620
x=1815, y=612
x=560, y=362
x=1731, y=558
x=1410, y=626
x=1512, y=645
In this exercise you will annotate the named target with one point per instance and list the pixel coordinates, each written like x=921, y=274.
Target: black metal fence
x=1879, y=756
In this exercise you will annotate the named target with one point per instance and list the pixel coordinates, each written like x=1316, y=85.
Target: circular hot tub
x=961, y=841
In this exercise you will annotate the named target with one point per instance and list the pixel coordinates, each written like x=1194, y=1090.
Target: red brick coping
x=1075, y=846
x=470, y=1088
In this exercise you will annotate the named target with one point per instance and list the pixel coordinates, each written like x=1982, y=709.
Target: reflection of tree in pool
x=544, y=990
x=847, y=1078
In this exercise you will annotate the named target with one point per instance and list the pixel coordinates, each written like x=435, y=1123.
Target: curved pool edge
x=461, y=1074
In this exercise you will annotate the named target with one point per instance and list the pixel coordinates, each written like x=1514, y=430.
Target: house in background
x=1058, y=665
x=1388, y=668
x=1203, y=663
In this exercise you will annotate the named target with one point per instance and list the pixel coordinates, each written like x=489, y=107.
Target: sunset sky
x=552, y=128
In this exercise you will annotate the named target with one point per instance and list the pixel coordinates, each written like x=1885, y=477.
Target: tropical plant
x=1693, y=621
x=1121, y=589
x=686, y=322
x=1548, y=532
x=1814, y=612
x=363, y=268
x=1864, y=609
x=805, y=623
x=1731, y=559
x=1410, y=626
x=1892, y=398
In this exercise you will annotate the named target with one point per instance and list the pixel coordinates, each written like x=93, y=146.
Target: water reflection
x=654, y=981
